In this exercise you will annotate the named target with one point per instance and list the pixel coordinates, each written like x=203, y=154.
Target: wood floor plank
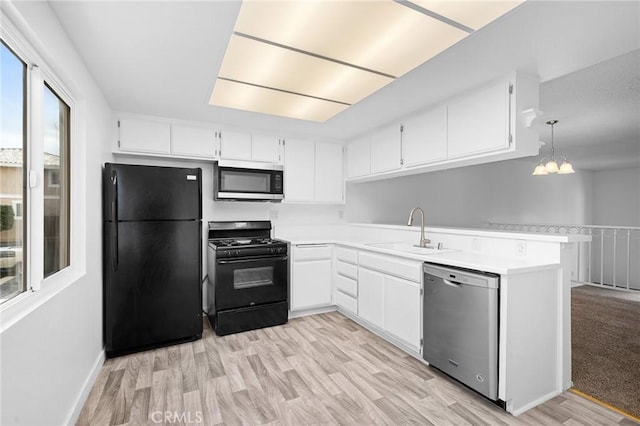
x=323, y=369
x=140, y=406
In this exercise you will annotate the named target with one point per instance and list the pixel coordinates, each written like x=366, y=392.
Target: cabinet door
x=358, y=161
x=265, y=148
x=479, y=122
x=371, y=296
x=193, y=141
x=329, y=173
x=402, y=309
x=385, y=149
x=424, y=137
x=310, y=284
x=299, y=165
x=142, y=135
x=235, y=145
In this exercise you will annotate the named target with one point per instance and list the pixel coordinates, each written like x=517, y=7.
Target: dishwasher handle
x=452, y=283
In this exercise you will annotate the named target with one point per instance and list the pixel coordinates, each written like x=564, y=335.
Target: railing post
x=628, y=254
x=590, y=249
x=615, y=247
x=602, y=256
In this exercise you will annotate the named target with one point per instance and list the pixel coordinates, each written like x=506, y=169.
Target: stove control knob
x=237, y=253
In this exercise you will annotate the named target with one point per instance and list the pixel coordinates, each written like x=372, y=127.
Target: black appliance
x=247, y=181
x=248, y=277
x=152, y=257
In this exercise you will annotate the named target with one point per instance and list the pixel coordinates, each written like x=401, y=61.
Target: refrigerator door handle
x=114, y=215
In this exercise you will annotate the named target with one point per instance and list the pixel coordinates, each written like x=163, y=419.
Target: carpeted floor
x=605, y=335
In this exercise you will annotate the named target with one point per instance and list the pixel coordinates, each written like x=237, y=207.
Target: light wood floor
x=321, y=369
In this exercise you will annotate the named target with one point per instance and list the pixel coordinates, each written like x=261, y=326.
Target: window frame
x=20, y=39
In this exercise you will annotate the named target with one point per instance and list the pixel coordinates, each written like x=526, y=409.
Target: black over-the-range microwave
x=247, y=181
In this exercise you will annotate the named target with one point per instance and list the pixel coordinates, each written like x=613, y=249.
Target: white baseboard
x=86, y=389
x=312, y=311
x=535, y=403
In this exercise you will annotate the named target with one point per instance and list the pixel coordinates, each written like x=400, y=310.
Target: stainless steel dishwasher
x=460, y=329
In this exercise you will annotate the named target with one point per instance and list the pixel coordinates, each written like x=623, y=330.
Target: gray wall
x=616, y=197
x=475, y=195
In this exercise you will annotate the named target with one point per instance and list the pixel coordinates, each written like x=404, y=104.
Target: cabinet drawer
x=347, y=302
x=347, y=255
x=347, y=269
x=407, y=269
x=311, y=252
x=347, y=285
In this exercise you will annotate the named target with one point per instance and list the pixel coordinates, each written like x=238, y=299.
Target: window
x=56, y=172
x=35, y=138
x=13, y=121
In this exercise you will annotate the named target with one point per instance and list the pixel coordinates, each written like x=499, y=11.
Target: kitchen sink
x=408, y=248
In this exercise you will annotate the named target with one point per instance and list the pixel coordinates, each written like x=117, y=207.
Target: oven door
x=250, y=281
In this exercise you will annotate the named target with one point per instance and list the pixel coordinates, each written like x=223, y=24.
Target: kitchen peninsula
x=374, y=276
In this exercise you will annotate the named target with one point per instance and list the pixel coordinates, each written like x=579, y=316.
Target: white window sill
x=14, y=310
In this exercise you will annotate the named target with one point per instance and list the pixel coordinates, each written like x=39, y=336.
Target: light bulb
x=566, y=168
x=551, y=167
x=540, y=170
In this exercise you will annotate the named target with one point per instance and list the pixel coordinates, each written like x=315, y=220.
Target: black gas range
x=248, y=277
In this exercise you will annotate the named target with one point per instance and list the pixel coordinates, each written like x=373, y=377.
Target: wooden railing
x=611, y=259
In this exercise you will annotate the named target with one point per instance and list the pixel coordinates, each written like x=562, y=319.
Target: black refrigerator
x=152, y=256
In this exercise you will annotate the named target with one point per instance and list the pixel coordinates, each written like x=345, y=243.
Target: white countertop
x=530, y=236
x=461, y=259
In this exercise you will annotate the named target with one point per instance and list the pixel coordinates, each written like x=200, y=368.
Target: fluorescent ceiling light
x=330, y=54
x=474, y=14
x=264, y=64
x=268, y=101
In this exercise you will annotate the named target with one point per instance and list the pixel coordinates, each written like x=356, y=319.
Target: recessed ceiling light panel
x=246, y=97
x=312, y=59
x=379, y=35
x=474, y=14
x=266, y=65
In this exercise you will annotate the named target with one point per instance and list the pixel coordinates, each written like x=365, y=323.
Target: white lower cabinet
x=371, y=296
x=389, y=296
x=402, y=309
x=310, y=276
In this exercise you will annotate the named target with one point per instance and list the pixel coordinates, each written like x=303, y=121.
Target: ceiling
x=162, y=57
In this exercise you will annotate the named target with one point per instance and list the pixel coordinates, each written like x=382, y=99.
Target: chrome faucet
x=423, y=240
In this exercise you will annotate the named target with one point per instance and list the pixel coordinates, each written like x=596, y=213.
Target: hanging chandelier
x=551, y=166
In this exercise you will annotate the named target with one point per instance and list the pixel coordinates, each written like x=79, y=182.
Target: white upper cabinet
x=480, y=122
x=250, y=147
x=193, y=141
x=299, y=170
x=386, y=149
x=313, y=172
x=424, y=137
x=266, y=148
x=358, y=158
x=235, y=145
x=144, y=135
x=329, y=176
x=490, y=123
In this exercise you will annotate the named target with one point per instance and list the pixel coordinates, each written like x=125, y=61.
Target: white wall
x=472, y=196
x=49, y=354
x=616, y=197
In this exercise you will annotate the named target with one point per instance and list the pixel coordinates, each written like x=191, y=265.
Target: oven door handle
x=252, y=259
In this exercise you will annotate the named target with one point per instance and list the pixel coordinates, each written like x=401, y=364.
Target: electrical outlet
x=521, y=248
x=476, y=244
